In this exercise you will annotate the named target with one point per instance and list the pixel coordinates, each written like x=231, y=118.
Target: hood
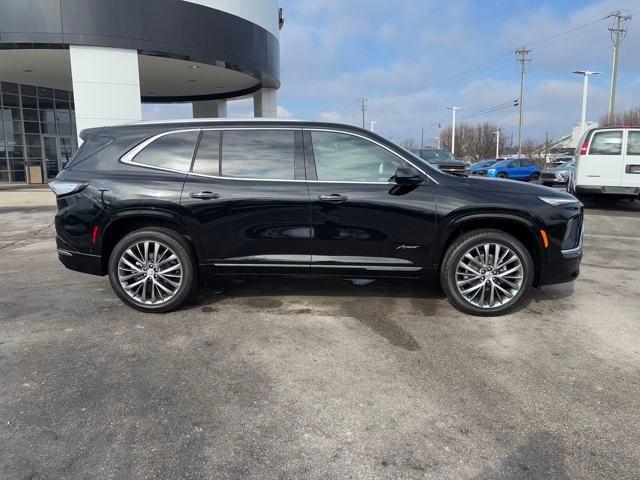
x=501, y=185
x=452, y=163
x=557, y=169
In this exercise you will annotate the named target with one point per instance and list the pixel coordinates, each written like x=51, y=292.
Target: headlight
x=558, y=200
x=491, y=171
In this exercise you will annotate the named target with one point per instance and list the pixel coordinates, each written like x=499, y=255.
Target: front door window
x=340, y=157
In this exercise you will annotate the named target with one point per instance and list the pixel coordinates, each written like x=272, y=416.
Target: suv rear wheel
x=486, y=272
x=152, y=270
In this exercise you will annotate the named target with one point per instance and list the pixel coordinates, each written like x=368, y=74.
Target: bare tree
x=409, y=143
x=532, y=149
x=474, y=142
x=630, y=116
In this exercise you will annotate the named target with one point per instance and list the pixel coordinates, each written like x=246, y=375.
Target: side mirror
x=407, y=176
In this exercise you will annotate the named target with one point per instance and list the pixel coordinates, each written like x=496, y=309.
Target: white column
x=210, y=109
x=265, y=103
x=106, y=86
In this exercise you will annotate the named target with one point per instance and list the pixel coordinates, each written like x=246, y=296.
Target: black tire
x=535, y=177
x=463, y=244
x=502, y=175
x=178, y=245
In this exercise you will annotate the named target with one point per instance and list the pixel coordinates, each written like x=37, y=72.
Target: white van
x=607, y=162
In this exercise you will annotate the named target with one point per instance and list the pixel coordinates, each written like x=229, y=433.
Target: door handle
x=334, y=198
x=205, y=195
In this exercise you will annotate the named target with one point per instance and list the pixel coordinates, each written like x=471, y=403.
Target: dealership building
x=67, y=65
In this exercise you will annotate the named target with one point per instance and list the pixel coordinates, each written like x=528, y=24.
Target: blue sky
x=411, y=59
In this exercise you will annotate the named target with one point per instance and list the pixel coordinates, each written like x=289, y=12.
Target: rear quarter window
x=173, y=151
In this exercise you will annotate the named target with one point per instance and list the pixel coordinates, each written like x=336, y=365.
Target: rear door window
x=258, y=154
x=606, y=143
x=173, y=151
x=633, y=142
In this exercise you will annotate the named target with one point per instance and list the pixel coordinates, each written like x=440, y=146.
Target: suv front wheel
x=152, y=270
x=486, y=272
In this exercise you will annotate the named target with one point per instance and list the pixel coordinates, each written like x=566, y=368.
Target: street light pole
x=585, y=89
x=497, y=134
x=453, y=128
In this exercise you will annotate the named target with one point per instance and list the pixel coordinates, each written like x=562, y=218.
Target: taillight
x=585, y=147
x=61, y=188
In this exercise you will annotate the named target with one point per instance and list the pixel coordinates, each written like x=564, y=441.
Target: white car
x=607, y=162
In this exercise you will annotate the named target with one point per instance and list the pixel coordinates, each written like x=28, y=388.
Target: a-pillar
x=106, y=86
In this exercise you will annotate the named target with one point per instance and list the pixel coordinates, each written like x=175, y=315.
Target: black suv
x=157, y=206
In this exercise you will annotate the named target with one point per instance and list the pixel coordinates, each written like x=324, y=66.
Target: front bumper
x=566, y=270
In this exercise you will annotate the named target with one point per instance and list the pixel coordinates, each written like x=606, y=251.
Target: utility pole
x=523, y=59
x=497, y=134
x=422, y=139
x=618, y=32
x=585, y=89
x=453, y=128
x=363, y=108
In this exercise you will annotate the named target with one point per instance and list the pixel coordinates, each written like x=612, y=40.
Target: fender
x=149, y=213
x=453, y=222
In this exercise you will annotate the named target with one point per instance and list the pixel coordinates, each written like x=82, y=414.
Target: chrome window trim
x=131, y=154
x=128, y=157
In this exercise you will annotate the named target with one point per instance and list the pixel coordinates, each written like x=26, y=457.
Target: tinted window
x=633, y=143
x=606, y=143
x=342, y=157
x=173, y=151
x=267, y=154
x=208, y=157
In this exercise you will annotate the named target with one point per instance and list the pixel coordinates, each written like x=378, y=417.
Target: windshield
x=434, y=156
x=501, y=163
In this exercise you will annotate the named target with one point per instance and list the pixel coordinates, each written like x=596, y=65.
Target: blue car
x=514, y=169
x=482, y=164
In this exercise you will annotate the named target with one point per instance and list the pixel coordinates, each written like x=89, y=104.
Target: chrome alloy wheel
x=489, y=275
x=150, y=272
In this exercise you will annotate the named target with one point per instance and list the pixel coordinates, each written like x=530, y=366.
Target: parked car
x=158, y=205
x=481, y=164
x=514, y=169
x=558, y=155
x=443, y=160
x=557, y=175
x=608, y=163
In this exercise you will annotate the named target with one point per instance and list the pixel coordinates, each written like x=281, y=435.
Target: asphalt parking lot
x=316, y=378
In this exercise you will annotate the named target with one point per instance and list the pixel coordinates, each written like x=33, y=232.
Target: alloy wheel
x=489, y=275
x=150, y=272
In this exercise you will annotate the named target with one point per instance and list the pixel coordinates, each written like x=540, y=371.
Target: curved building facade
x=66, y=65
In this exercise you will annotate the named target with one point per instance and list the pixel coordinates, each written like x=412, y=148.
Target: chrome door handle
x=205, y=195
x=334, y=197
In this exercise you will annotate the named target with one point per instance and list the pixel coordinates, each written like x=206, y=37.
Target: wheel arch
x=126, y=222
x=521, y=228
